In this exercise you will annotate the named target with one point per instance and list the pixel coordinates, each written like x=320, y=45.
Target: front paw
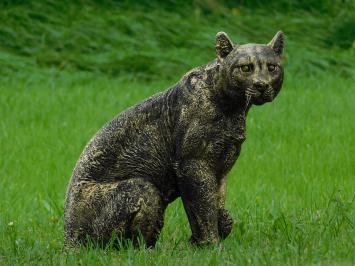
x=203, y=242
x=225, y=223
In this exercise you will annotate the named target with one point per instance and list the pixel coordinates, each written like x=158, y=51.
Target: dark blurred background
x=150, y=39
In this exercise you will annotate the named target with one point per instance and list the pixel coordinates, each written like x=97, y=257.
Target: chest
x=218, y=141
x=223, y=149
x=224, y=133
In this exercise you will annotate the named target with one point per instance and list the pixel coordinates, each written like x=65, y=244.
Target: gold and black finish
x=178, y=143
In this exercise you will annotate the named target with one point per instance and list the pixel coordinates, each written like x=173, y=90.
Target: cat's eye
x=246, y=68
x=271, y=68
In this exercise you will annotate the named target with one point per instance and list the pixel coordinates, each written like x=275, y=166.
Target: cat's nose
x=260, y=85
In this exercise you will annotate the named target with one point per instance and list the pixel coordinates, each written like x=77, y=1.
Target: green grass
x=292, y=189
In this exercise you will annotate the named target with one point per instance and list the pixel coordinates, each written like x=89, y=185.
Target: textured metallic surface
x=178, y=143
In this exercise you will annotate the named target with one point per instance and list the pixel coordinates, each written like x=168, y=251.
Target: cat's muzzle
x=260, y=95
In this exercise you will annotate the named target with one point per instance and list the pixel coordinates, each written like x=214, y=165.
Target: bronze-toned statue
x=178, y=143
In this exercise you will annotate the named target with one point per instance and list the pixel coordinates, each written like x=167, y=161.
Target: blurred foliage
x=162, y=38
x=342, y=31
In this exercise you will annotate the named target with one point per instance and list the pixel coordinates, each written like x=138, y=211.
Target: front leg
x=225, y=221
x=199, y=193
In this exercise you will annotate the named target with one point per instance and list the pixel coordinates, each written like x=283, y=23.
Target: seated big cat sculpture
x=181, y=142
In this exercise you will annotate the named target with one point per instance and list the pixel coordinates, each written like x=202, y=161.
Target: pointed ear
x=224, y=45
x=277, y=43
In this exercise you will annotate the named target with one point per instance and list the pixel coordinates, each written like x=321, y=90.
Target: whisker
x=248, y=99
x=248, y=95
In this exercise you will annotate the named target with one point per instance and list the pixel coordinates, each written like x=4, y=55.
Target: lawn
x=291, y=192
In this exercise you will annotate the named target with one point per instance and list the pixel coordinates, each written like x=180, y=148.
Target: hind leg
x=149, y=219
x=128, y=208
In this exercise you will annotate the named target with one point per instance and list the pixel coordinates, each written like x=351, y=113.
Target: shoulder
x=198, y=77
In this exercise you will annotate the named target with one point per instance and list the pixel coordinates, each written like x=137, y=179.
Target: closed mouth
x=249, y=92
x=267, y=95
